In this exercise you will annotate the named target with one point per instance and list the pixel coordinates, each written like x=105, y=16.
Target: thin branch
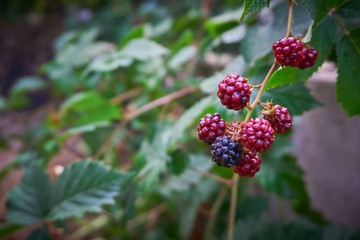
x=214, y=177
x=125, y=96
x=129, y=116
x=74, y=150
x=232, y=207
x=289, y=20
x=214, y=212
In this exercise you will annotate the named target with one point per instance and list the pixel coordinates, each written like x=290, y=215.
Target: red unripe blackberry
x=279, y=118
x=210, y=127
x=257, y=135
x=249, y=165
x=288, y=51
x=234, y=92
x=226, y=153
x=309, y=57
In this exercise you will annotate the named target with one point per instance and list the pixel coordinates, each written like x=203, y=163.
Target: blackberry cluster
x=279, y=118
x=234, y=92
x=309, y=57
x=248, y=166
x=226, y=153
x=257, y=135
x=288, y=51
x=210, y=127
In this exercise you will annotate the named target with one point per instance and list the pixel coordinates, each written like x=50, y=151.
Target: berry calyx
x=210, y=127
x=288, y=51
x=257, y=135
x=248, y=165
x=309, y=57
x=279, y=118
x=226, y=153
x=234, y=92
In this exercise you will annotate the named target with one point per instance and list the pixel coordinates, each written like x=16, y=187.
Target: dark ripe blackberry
x=257, y=135
x=288, y=51
x=279, y=118
x=226, y=153
x=210, y=127
x=249, y=165
x=234, y=92
x=309, y=57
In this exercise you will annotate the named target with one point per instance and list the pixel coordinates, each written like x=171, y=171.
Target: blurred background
x=130, y=53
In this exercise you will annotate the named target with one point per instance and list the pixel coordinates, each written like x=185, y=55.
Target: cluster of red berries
x=291, y=52
x=237, y=144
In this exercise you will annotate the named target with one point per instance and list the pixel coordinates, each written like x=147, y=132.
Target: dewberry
x=288, y=51
x=226, y=153
x=309, y=57
x=210, y=127
x=257, y=135
x=234, y=92
x=279, y=118
x=248, y=165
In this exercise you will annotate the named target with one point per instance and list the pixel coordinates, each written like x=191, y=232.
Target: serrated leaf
x=348, y=84
x=29, y=203
x=143, y=49
x=84, y=187
x=251, y=6
x=350, y=9
x=296, y=98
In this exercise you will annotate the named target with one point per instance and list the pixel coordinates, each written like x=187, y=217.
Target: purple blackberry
x=226, y=153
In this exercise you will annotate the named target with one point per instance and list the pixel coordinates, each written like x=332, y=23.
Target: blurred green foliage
x=152, y=164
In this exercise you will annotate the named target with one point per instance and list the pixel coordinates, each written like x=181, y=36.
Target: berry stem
x=261, y=90
x=214, y=212
x=289, y=20
x=232, y=207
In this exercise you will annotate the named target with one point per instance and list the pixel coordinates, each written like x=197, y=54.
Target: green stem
x=261, y=91
x=346, y=32
x=289, y=20
x=214, y=212
x=232, y=207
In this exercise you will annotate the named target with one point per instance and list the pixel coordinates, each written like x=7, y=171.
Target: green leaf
x=348, y=84
x=39, y=234
x=84, y=187
x=29, y=203
x=109, y=62
x=143, y=49
x=138, y=32
x=251, y=6
x=351, y=9
x=87, y=107
x=222, y=23
x=182, y=56
x=9, y=228
x=179, y=161
x=296, y=98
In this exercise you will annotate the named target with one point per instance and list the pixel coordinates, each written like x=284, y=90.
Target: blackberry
x=288, y=51
x=309, y=57
x=279, y=118
x=257, y=135
x=210, y=127
x=226, y=153
x=234, y=92
x=249, y=165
